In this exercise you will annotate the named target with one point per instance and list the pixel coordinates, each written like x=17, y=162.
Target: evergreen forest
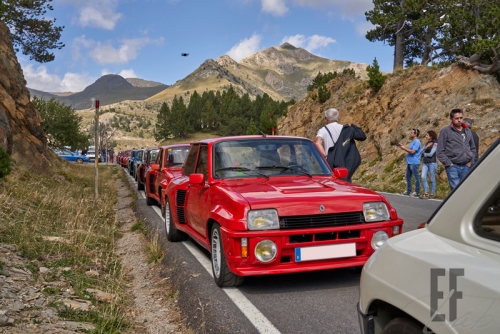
x=223, y=113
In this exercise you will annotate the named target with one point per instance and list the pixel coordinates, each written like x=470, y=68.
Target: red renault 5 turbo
x=168, y=165
x=271, y=205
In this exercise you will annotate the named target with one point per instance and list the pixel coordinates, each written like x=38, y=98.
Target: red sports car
x=271, y=205
x=168, y=165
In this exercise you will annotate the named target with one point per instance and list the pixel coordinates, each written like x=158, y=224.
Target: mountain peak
x=287, y=46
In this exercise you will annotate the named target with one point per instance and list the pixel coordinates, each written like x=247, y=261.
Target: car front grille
x=335, y=219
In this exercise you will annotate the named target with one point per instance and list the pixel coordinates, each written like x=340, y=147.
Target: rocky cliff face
x=420, y=97
x=21, y=133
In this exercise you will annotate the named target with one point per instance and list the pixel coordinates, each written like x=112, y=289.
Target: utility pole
x=97, y=149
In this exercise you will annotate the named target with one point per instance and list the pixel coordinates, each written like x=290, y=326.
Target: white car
x=445, y=277
x=91, y=156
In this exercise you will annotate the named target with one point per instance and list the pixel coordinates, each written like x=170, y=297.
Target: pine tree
x=162, y=129
x=376, y=78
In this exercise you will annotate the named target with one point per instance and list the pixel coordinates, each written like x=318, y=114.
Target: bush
x=5, y=168
x=376, y=78
x=323, y=94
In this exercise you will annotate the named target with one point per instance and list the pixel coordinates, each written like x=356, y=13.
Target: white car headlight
x=378, y=239
x=263, y=220
x=375, y=211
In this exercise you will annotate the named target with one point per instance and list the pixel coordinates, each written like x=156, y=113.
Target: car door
x=197, y=196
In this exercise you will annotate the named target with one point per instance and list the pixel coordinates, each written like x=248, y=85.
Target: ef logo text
x=452, y=296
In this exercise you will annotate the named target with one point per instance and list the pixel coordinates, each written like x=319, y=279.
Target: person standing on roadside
x=412, y=163
x=430, y=164
x=456, y=149
x=337, y=143
x=470, y=122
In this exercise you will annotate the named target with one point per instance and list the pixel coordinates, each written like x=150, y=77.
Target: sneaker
x=414, y=194
x=424, y=196
x=405, y=193
x=431, y=196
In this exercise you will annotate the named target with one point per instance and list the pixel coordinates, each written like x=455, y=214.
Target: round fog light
x=265, y=251
x=378, y=239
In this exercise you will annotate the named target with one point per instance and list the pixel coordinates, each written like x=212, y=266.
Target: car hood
x=304, y=195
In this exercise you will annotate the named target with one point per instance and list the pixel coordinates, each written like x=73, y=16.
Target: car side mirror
x=197, y=179
x=340, y=173
x=155, y=167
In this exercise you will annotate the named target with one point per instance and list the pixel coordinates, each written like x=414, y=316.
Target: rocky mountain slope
x=420, y=97
x=21, y=133
x=108, y=89
x=283, y=72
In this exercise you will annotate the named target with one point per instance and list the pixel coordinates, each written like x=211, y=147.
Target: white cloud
x=245, y=47
x=96, y=17
x=274, y=7
x=309, y=43
x=105, y=53
x=39, y=78
x=95, y=13
x=342, y=7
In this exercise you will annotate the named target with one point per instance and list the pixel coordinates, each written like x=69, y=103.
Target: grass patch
x=154, y=249
x=57, y=222
x=374, y=161
x=140, y=226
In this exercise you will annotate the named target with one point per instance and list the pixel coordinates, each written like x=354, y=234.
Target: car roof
x=269, y=137
x=176, y=145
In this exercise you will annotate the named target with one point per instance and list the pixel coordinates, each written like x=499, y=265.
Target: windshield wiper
x=295, y=169
x=241, y=169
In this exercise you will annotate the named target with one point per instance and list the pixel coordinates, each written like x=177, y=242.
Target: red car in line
x=271, y=205
x=167, y=166
x=124, y=160
x=149, y=157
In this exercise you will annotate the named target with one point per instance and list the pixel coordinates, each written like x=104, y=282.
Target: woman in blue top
x=430, y=165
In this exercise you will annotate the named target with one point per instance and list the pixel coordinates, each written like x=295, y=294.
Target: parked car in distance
x=91, y=156
x=167, y=166
x=134, y=160
x=443, y=278
x=70, y=156
x=148, y=157
x=271, y=205
x=124, y=160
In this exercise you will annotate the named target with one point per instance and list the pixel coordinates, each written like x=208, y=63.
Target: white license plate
x=324, y=252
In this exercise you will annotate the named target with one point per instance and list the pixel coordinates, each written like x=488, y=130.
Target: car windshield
x=176, y=155
x=267, y=157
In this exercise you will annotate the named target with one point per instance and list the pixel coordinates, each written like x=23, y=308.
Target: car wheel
x=173, y=234
x=79, y=161
x=222, y=275
x=149, y=200
x=402, y=326
x=140, y=185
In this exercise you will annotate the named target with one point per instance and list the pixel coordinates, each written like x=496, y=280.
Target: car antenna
x=261, y=132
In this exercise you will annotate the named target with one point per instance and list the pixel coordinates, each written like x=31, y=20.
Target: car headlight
x=263, y=220
x=378, y=239
x=265, y=251
x=375, y=211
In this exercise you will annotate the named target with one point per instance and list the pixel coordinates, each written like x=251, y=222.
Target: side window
x=202, y=165
x=158, y=157
x=487, y=223
x=188, y=168
x=165, y=158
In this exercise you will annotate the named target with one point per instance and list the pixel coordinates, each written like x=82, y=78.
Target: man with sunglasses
x=412, y=163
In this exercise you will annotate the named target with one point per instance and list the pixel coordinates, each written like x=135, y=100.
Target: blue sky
x=145, y=38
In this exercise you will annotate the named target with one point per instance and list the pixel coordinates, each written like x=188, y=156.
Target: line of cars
x=272, y=205
x=262, y=205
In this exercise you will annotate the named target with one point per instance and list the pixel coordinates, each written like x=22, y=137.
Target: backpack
x=330, y=156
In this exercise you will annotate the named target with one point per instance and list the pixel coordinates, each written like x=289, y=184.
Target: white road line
x=257, y=319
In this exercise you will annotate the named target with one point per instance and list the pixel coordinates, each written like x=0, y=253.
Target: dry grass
x=155, y=249
x=56, y=222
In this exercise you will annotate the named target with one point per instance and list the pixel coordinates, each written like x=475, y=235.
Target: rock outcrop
x=419, y=97
x=21, y=132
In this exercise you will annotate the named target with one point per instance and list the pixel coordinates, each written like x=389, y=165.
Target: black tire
x=402, y=326
x=79, y=161
x=140, y=185
x=149, y=200
x=222, y=276
x=173, y=234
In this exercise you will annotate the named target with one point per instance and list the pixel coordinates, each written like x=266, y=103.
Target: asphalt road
x=316, y=302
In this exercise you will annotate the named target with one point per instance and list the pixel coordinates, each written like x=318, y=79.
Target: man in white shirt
x=323, y=139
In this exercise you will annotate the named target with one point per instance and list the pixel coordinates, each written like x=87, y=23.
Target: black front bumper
x=366, y=322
